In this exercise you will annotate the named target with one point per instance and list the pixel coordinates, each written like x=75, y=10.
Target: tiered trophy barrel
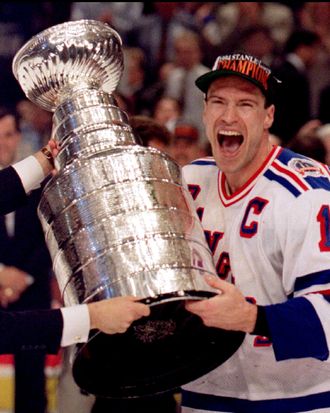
x=118, y=221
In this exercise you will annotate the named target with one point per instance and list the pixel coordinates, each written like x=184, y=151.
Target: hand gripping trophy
x=118, y=220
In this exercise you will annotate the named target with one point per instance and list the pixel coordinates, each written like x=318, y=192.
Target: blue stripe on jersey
x=228, y=404
x=321, y=182
x=284, y=182
x=314, y=181
x=291, y=335
x=286, y=155
x=203, y=162
x=316, y=278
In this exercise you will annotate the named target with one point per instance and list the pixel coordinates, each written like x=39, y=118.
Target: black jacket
x=292, y=101
x=23, y=330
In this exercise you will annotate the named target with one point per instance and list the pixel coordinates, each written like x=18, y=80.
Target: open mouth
x=230, y=141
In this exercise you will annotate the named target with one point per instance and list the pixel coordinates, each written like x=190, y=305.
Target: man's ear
x=204, y=108
x=269, y=119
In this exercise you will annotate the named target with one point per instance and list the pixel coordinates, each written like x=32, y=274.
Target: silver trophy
x=118, y=220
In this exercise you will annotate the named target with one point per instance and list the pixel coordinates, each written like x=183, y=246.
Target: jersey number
x=323, y=218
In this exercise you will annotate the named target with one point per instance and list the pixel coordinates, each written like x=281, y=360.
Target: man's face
x=187, y=53
x=185, y=150
x=9, y=140
x=237, y=123
x=166, y=110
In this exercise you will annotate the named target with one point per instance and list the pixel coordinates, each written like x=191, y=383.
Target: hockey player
x=266, y=215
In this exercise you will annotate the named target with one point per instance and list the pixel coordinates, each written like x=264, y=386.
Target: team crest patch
x=306, y=167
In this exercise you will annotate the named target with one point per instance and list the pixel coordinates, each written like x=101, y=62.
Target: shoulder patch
x=298, y=173
x=306, y=167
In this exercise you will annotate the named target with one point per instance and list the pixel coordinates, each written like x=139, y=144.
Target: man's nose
x=229, y=113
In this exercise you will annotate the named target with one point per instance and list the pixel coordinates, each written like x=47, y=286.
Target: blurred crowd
x=167, y=45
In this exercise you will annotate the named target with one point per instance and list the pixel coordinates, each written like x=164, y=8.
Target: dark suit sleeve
x=27, y=251
x=12, y=193
x=30, y=330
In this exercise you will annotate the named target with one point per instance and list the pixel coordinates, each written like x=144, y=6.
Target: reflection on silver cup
x=118, y=220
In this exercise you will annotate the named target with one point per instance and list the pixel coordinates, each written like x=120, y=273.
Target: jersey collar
x=229, y=199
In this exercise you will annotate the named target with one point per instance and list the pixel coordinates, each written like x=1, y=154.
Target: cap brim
x=204, y=81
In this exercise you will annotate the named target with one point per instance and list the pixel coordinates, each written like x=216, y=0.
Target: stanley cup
x=118, y=220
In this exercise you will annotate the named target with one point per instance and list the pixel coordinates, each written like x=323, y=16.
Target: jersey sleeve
x=300, y=327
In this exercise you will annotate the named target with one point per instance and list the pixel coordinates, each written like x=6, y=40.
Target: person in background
x=265, y=211
x=236, y=16
x=133, y=82
x=257, y=40
x=293, y=99
x=122, y=16
x=324, y=104
x=151, y=132
x=180, y=81
x=315, y=16
x=308, y=142
x=25, y=273
x=186, y=145
x=35, y=124
x=323, y=132
x=309, y=145
x=167, y=112
x=155, y=90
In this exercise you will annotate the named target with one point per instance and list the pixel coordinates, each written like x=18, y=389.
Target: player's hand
x=228, y=310
x=115, y=315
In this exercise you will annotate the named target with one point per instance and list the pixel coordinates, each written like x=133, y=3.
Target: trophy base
x=158, y=353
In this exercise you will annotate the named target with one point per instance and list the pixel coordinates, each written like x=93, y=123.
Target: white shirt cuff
x=30, y=172
x=76, y=325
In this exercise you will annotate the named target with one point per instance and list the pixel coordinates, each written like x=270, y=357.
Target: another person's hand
x=228, y=310
x=13, y=283
x=8, y=296
x=46, y=156
x=116, y=314
x=54, y=147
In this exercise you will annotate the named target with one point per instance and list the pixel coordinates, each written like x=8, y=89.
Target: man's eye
x=215, y=101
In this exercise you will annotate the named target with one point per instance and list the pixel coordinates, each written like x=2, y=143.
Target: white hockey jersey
x=272, y=239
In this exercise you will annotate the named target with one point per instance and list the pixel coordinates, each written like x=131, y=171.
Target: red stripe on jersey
x=228, y=199
x=291, y=174
x=322, y=292
x=325, y=168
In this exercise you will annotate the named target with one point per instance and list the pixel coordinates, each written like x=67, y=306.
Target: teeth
x=229, y=133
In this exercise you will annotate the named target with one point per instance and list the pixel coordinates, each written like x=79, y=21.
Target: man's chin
x=228, y=158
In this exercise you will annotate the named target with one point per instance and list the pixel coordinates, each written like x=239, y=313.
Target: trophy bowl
x=118, y=221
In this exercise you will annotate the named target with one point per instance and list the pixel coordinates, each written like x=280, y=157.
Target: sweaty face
x=237, y=123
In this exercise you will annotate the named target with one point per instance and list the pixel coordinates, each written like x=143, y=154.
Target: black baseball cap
x=243, y=65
